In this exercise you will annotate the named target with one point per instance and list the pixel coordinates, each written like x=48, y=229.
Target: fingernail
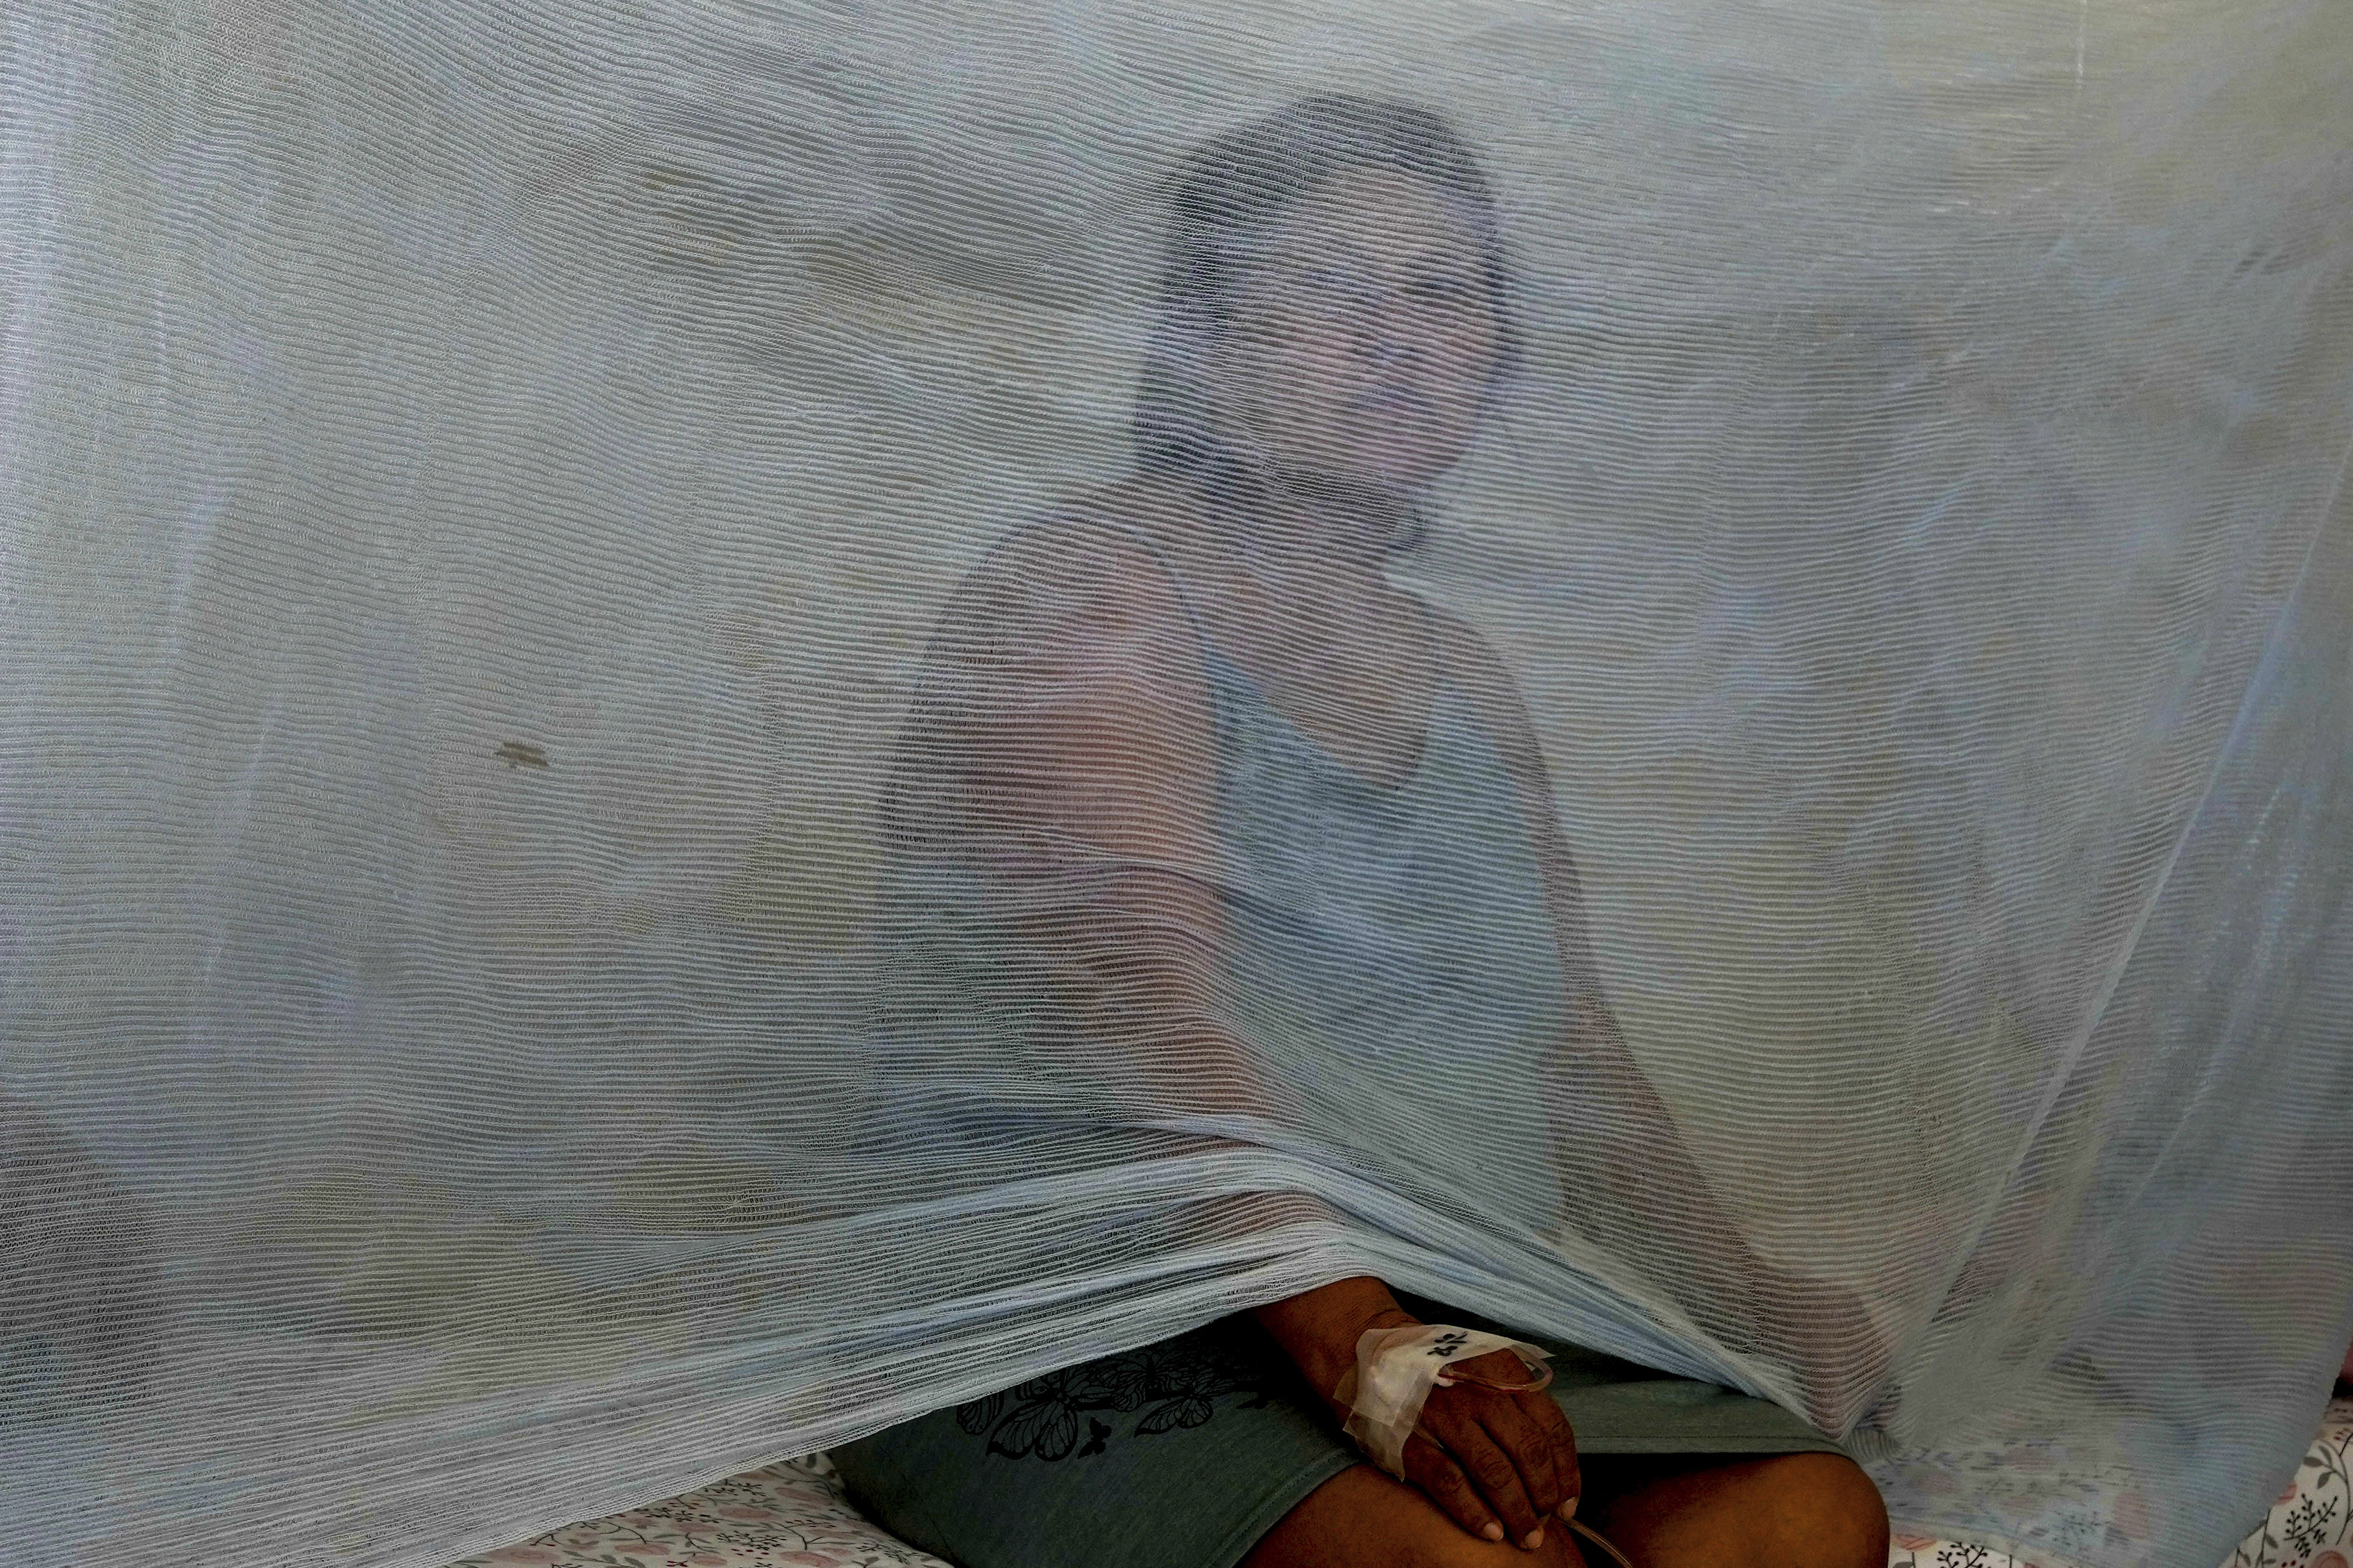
x=1567, y=1510
x=1492, y=1531
x=1534, y=1538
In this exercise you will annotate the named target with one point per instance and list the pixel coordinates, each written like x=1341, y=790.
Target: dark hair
x=1246, y=179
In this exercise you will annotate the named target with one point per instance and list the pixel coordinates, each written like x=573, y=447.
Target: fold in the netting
x=2262, y=681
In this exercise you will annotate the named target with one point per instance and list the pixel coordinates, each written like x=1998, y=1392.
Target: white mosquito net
x=626, y=847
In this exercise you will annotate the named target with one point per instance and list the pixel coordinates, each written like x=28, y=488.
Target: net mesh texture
x=721, y=721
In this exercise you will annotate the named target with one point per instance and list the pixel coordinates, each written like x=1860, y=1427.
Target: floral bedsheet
x=793, y=1515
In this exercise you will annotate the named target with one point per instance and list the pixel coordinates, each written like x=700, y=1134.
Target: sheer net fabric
x=533, y=974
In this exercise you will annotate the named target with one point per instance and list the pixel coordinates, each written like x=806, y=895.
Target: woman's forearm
x=1318, y=1329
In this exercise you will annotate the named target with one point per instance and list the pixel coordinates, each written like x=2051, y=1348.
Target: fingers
x=1514, y=1428
x=1530, y=1429
x=1472, y=1460
x=1553, y=1432
x=1429, y=1466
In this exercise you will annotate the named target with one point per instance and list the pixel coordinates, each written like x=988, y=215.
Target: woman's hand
x=1500, y=1465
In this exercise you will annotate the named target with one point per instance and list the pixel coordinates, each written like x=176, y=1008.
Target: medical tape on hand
x=1397, y=1368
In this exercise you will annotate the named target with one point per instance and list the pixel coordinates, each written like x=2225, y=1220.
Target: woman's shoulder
x=1079, y=593
x=1093, y=561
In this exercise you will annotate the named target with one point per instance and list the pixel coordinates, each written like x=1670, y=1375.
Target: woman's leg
x=1784, y=1511
x=1362, y=1519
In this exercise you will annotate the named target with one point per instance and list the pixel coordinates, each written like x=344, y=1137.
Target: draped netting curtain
x=481, y=482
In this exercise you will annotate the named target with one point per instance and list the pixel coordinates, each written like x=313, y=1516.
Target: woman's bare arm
x=1618, y=1137
x=1062, y=746
x=1627, y=1174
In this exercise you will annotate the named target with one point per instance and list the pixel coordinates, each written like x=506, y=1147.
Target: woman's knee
x=1826, y=1512
x=1361, y=1519
x=1463, y=1550
x=1791, y=1510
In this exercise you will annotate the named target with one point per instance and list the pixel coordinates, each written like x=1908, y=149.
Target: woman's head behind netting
x=1229, y=193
